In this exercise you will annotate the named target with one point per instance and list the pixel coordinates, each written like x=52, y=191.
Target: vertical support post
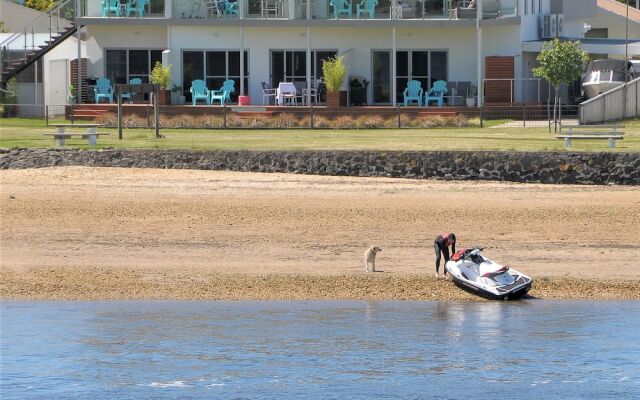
x=637, y=102
x=242, y=66
x=311, y=116
x=479, y=52
x=308, y=59
x=224, y=116
x=78, y=35
x=393, y=67
x=35, y=68
x=511, y=83
x=46, y=115
x=481, y=116
x=524, y=115
x=310, y=85
x=120, y=111
x=399, y=117
x=156, y=109
x=146, y=107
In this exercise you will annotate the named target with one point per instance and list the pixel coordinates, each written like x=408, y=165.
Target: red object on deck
x=244, y=100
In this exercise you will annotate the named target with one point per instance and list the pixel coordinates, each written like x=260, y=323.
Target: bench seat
x=61, y=136
x=591, y=132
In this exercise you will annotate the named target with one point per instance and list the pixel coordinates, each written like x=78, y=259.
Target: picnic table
x=91, y=135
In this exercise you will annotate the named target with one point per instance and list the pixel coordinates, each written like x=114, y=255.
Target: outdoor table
x=285, y=88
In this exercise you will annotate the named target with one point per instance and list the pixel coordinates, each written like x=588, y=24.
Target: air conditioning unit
x=554, y=26
x=545, y=27
x=559, y=25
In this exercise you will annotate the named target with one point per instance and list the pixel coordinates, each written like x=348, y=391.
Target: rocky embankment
x=524, y=167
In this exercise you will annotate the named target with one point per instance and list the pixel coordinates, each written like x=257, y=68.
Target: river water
x=530, y=349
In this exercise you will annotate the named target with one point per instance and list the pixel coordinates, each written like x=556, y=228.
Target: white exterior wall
x=67, y=50
x=101, y=37
x=530, y=21
x=356, y=44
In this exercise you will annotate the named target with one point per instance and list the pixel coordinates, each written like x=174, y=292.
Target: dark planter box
x=165, y=98
x=337, y=99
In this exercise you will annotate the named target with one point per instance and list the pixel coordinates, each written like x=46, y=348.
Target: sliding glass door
x=214, y=67
x=381, y=77
x=124, y=65
x=426, y=66
x=291, y=65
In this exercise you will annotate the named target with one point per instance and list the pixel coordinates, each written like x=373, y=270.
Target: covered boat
x=604, y=75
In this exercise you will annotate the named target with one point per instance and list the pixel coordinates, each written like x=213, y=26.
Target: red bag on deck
x=458, y=255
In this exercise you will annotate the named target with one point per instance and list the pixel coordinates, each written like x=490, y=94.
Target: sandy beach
x=108, y=233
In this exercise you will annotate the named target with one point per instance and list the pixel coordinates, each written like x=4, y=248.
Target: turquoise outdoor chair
x=436, y=93
x=413, y=92
x=137, y=7
x=367, y=7
x=128, y=96
x=230, y=7
x=110, y=6
x=341, y=7
x=224, y=93
x=103, y=90
x=199, y=91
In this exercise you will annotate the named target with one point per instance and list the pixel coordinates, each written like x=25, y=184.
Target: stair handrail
x=47, y=14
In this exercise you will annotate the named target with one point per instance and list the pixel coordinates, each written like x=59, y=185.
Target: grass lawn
x=504, y=139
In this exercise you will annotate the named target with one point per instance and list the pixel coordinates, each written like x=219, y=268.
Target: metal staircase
x=22, y=49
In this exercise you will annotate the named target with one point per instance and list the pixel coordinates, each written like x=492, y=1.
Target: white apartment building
x=286, y=40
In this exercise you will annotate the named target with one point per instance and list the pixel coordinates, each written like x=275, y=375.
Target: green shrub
x=161, y=75
x=333, y=72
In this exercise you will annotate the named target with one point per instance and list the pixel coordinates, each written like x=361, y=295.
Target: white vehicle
x=479, y=275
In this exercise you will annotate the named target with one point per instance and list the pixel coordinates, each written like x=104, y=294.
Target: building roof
x=593, y=45
x=615, y=7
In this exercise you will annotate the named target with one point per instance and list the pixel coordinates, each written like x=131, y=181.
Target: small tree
x=334, y=71
x=40, y=5
x=161, y=75
x=560, y=62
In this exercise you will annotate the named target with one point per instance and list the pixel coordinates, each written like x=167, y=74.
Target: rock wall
x=529, y=167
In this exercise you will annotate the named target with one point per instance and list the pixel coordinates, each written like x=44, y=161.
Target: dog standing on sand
x=370, y=257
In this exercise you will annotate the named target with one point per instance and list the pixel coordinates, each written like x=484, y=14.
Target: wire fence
x=230, y=117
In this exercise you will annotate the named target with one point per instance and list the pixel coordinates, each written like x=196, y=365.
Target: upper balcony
x=225, y=11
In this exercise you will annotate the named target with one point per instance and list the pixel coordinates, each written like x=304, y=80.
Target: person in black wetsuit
x=441, y=246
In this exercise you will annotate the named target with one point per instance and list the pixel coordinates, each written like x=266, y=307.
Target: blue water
x=530, y=349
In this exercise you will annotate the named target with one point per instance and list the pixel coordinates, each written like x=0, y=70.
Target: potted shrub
x=180, y=98
x=470, y=98
x=334, y=71
x=161, y=75
x=72, y=99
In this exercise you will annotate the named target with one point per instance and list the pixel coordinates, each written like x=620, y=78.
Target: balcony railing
x=298, y=9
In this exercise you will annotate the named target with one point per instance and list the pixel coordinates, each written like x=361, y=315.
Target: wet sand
x=107, y=233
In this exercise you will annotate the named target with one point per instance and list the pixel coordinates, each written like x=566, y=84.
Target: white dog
x=370, y=257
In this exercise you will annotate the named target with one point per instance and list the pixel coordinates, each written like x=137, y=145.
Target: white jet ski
x=479, y=275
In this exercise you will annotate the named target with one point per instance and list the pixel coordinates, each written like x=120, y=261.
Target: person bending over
x=441, y=247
